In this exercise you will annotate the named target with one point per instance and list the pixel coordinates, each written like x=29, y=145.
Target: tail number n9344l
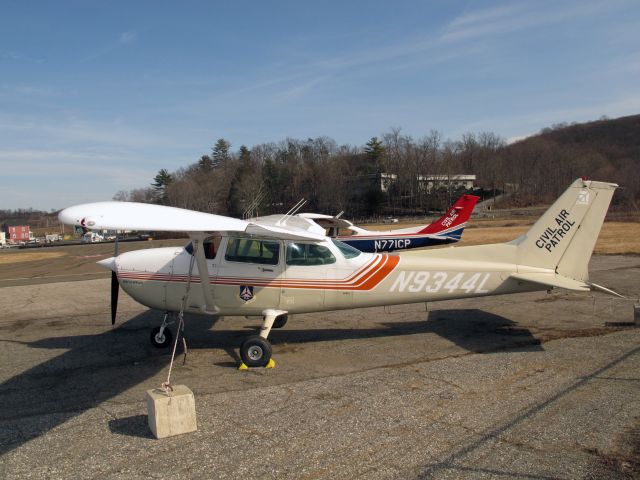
x=433, y=282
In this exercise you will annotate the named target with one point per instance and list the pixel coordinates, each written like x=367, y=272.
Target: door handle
x=266, y=269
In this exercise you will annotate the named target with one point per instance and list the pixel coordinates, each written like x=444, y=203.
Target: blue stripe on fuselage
x=388, y=244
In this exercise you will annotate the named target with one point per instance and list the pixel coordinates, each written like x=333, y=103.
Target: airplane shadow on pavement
x=474, y=330
x=97, y=368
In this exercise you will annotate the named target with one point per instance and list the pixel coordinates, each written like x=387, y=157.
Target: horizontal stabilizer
x=559, y=281
x=602, y=289
x=551, y=280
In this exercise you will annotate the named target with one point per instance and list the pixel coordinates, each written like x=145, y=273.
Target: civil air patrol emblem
x=246, y=292
x=583, y=197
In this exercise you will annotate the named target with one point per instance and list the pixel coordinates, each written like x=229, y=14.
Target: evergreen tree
x=205, y=163
x=160, y=183
x=374, y=152
x=235, y=202
x=245, y=156
x=221, y=152
x=272, y=183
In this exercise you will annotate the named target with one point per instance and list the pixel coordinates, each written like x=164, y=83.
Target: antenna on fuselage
x=295, y=209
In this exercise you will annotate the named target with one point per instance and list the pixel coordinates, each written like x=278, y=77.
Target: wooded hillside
x=331, y=177
x=543, y=165
x=274, y=176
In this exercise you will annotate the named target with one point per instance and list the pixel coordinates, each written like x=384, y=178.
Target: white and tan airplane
x=288, y=266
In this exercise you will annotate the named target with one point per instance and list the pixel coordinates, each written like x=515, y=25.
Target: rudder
x=457, y=215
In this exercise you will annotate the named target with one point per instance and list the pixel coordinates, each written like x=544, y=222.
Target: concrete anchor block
x=171, y=414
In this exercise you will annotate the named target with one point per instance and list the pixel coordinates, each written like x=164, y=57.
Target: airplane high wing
x=282, y=265
x=447, y=229
x=159, y=218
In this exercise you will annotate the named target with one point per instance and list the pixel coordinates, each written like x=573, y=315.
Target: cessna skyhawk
x=447, y=229
x=274, y=269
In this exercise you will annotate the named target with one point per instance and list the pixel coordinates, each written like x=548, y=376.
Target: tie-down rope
x=166, y=386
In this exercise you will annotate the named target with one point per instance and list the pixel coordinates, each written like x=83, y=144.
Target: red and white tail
x=456, y=216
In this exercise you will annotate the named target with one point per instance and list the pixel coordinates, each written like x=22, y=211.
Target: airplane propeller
x=110, y=263
x=115, y=285
x=115, y=289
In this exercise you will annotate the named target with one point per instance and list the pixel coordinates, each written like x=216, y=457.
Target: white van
x=92, y=237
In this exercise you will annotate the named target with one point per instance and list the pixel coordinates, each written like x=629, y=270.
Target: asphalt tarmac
x=532, y=386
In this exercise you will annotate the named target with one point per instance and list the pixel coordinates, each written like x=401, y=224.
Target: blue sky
x=97, y=96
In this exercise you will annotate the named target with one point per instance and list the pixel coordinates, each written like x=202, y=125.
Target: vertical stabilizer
x=456, y=216
x=564, y=237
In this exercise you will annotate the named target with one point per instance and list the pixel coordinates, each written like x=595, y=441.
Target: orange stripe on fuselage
x=366, y=278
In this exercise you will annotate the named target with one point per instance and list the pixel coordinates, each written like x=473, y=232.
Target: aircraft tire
x=280, y=321
x=163, y=342
x=255, y=351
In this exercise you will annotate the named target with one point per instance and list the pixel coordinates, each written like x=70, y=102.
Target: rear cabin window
x=251, y=250
x=347, y=250
x=308, y=254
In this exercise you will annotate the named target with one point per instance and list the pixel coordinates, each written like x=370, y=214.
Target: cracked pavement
x=533, y=386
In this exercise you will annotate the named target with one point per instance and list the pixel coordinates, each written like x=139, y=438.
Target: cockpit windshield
x=347, y=250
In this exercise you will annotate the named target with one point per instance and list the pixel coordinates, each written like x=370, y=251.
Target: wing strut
x=205, y=281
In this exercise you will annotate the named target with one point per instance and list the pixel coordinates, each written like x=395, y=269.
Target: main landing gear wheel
x=160, y=341
x=280, y=321
x=255, y=352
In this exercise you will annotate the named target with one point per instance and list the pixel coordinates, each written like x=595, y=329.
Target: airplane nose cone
x=109, y=263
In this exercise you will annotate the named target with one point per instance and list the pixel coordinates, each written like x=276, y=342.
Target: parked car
x=53, y=237
x=92, y=237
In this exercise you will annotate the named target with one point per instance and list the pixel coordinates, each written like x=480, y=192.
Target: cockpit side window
x=308, y=254
x=210, y=245
x=251, y=250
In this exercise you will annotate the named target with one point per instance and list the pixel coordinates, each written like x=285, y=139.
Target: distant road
x=483, y=206
x=74, y=277
x=64, y=263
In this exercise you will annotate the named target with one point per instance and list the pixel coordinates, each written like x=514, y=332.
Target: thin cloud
x=30, y=90
x=127, y=37
x=77, y=131
x=406, y=48
x=20, y=57
x=300, y=90
x=124, y=38
x=36, y=155
x=487, y=15
x=75, y=165
x=510, y=18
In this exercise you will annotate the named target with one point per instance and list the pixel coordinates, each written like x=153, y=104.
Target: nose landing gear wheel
x=255, y=352
x=160, y=341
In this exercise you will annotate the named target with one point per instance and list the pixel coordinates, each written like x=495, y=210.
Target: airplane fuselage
x=390, y=243
x=266, y=275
